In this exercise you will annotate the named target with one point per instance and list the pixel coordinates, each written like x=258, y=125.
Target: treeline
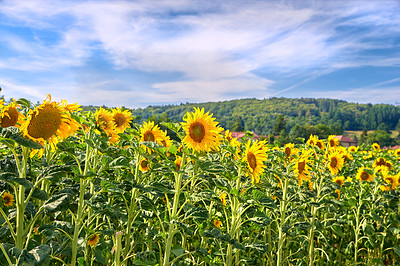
x=260, y=116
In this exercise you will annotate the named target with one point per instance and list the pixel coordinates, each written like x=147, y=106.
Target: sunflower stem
x=235, y=223
x=172, y=227
x=281, y=234
x=20, y=200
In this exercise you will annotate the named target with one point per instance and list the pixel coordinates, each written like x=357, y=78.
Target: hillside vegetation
x=260, y=115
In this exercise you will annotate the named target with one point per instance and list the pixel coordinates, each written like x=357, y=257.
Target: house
x=239, y=135
x=346, y=141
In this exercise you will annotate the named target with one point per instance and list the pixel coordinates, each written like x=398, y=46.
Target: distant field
x=394, y=133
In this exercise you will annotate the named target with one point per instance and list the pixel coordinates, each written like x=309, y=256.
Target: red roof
x=345, y=139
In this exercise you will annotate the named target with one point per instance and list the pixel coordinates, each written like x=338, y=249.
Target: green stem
x=172, y=227
x=118, y=247
x=235, y=222
x=281, y=235
x=20, y=201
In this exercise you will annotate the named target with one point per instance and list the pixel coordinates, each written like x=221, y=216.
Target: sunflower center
x=6, y=200
x=197, y=131
x=10, y=118
x=148, y=136
x=319, y=144
x=332, y=143
x=381, y=162
x=287, y=151
x=251, y=158
x=119, y=120
x=301, y=166
x=144, y=164
x=333, y=162
x=364, y=176
x=45, y=123
x=339, y=182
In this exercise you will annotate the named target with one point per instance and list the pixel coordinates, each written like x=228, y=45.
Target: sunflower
x=202, y=132
x=352, y=149
x=335, y=162
x=217, y=223
x=301, y=168
x=337, y=191
x=178, y=163
x=105, y=121
x=9, y=115
x=376, y=146
x=151, y=132
x=93, y=240
x=384, y=188
x=8, y=199
x=312, y=140
x=232, y=141
x=144, y=165
x=320, y=144
x=289, y=149
x=363, y=174
x=391, y=180
x=255, y=156
x=333, y=141
x=222, y=197
x=121, y=119
x=338, y=180
x=50, y=122
x=397, y=152
x=165, y=140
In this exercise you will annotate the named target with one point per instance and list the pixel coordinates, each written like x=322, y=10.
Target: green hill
x=260, y=115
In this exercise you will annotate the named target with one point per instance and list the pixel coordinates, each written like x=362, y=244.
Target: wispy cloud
x=213, y=47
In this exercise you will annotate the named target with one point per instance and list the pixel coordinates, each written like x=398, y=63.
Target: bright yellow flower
x=376, y=146
x=105, y=121
x=302, y=167
x=9, y=115
x=8, y=199
x=178, y=163
x=397, y=152
x=121, y=119
x=50, y=122
x=384, y=188
x=144, y=165
x=255, y=156
x=202, y=132
x=363, y=174
x=93, y=240
x=312, y=140
x=333, y=141
x=353, y=149
x=151, y=132
x=335, y=162
x=338, y=180
x=391, y=180
x=222, y=197
x=232, y=141
x=337, y=191
x=217, y=223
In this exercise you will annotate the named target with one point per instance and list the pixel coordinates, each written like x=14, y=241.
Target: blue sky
x=140, y=53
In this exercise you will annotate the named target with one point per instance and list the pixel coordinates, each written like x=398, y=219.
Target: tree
x=382, y=138
x=280, y=124
x=237, y=125
x=363, y=136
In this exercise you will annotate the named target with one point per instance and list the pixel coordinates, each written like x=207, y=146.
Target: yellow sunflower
x=312, y=140
x=121, y=119
x=335, y=162
x=333, y=141
x=376, y=146
x=50, y=122
x=144, y=165
x=337, y=191
x=391, y=180
x=320, y=144
x=338, y=180
x=222, y=197
x=217, y=223
x=363, y=174
x=93, y=240
x=384, y=188
x=9, y=115
x=165, y=140
x=397, y=152
x=352, y=149
x=178, y=163
x=255, y=156
x=232, y=141
x=202, y=132
x=301, y=168
x=105, y=121
x=8, y=199
x=151, y=132
x=289, y=149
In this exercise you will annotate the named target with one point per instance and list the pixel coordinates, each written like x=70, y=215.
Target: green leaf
x=39, y=194
x=259, y=248
x=396, y=249
x=4, y=231
x=261, y=220
x=12, y=133
x=24, y=102
x=26, y=259
x=13, y=179
x=99, y=256
x=177, y=250
x=40, y=253
x=55, y=172
x=197, y=213
x=57, y=202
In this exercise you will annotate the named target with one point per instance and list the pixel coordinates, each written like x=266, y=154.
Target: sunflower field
x=83, y=188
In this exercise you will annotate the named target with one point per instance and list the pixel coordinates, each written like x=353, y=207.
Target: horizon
x=137, y=54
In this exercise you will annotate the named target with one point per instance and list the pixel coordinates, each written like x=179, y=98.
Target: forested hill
x=260, y=115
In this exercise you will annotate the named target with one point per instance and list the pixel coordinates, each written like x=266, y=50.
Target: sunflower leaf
x=12, y=133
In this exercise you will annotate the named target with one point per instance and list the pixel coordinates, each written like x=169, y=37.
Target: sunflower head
x=10, y=115
x=391, y=180
x=397, y=153
x=338, y=180
x=144, y=165
x=202, y=132
x=178, y=163
x=312, y=140
x=93, y=240
x=376, y=146
x=302, y=167
x=255, y=156
x=333, y=141
x=337, y=191
x=105, y=122
x=364, y=174
x=222, y=197
x=335, y=162
x=353, y=149
x=49, y=122
x=8, y=199
x=121, y=119
x=217, y=223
